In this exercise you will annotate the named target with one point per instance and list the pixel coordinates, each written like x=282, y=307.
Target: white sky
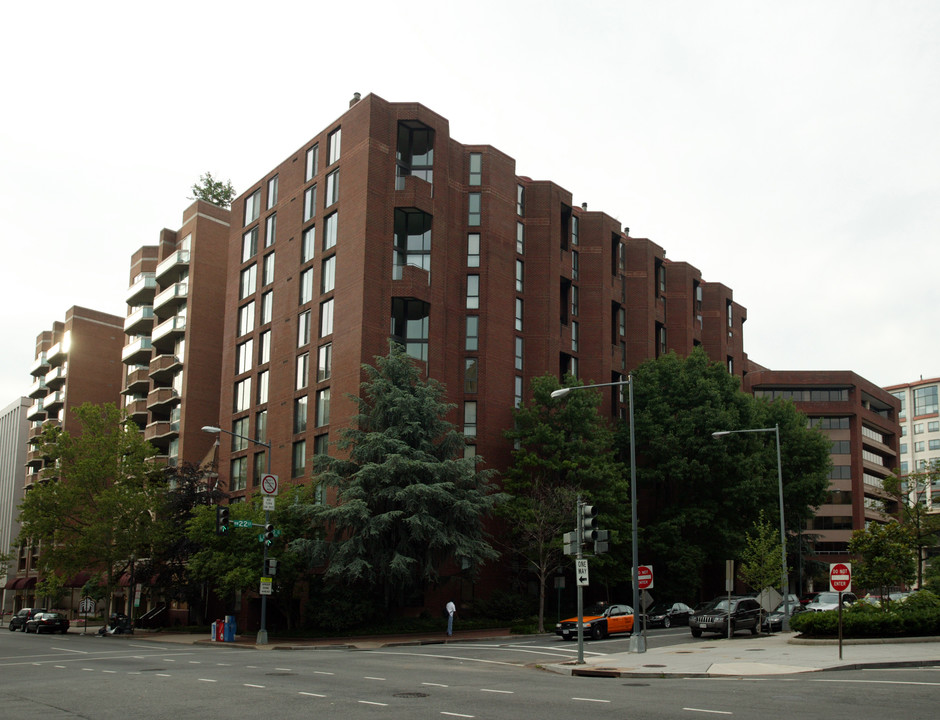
x=790, y=150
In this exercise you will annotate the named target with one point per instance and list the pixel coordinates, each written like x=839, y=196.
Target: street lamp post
x=262, y=637
x=784, y=588
x=637, y=640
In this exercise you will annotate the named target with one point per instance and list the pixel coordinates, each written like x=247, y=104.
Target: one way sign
x=581, y=567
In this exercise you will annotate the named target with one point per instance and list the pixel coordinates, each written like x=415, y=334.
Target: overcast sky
x=790, y=150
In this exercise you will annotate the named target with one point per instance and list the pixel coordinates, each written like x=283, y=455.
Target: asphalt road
x=76, y=676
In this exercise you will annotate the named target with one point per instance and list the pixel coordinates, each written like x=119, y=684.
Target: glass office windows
x=474, y=208
x=333, y=144
x=473, y=250
x=328, y=274
x=313, y=157
x=272, y=192
x=476, y=168
x=410, y=326
x=412, y=240
x=307, y=240
x=300, y=414
x=249, y=244
x=310, y=202
x=473, y=333
x=323, y=407
x=331, y=223
x=302, y=375
x=325, y=362
x=471, y=375
x=248, y=281
x=473, y=292
x=252, y=206
x=326, y=318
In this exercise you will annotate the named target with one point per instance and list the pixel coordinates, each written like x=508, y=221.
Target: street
x=91, y=677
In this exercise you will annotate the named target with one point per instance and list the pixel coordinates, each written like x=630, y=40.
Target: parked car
x=19, y=620
x=47, y=622
x=830, y=601
x=599, y=621
x=773, y=621
x=808, y=597
x=745, y=615
x=668, y=614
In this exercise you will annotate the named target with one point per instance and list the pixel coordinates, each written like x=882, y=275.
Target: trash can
x=229, y=631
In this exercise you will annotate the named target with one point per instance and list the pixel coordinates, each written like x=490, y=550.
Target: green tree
x=95, y=509
x=408, y=499
x=698, y=494
x=52, y=589
x=213, y=191
x=759, y=559
x=564, y=449
x=885, y=553
x=909, y=504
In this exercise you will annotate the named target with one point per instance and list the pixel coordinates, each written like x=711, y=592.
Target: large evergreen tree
x=408, y=501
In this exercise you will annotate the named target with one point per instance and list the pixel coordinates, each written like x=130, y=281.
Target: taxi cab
x=600, y=621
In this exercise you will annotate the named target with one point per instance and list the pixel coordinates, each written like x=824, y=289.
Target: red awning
x=30, y=582
x=78, y=580
x=11, y=583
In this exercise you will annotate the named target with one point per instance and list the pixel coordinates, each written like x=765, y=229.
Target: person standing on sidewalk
x=451, y=610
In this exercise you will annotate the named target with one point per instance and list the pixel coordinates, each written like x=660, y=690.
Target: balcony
x=159, y=434
x=140, y=321
x=54, y=401
x=160, y=400
x=35, y=459
x=38, y=389
x=164, y=367
x=137, y=382
x=36, y=411
x=32, y=478
x=142, y=291
x=56, y=377
x=57, y=354
x=137, y=411
x=172, y=268
x=137, y=352
x=168, y=302
x=40, y=366
x=170, y=329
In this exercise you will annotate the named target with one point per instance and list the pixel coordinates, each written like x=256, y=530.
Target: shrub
x=506, y=606
x=916, y=616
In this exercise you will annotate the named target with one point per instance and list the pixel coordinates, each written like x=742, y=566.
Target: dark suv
x=19, y=620
x=745, y=615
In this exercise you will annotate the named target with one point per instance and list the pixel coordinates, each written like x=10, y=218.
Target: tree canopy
x=885, y=557
x=909, y=502
x=408, y=501
x=213, y=191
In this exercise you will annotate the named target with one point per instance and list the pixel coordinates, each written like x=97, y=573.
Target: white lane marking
x=61, y=667
x=207, y=680
x=713, y=712
x=195, y=662
x=435, y=684
x=504, y=692
x=322, y=672
x=369, y=702
x=163, y=675
x=250, y=685
x=88, y=669
x=880, y=682
x=311, y=694
x=448, y=657
x=369, y=677
x=590, y=700
x=284, y=669
x=110, y=672
x=80, y=652
x=456, y=714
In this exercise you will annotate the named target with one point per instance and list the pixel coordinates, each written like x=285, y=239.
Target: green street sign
x=277, y=533
x=241, y=523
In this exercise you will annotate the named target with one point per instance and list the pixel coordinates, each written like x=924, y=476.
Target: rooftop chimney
x=584, y=206
x=356, y=97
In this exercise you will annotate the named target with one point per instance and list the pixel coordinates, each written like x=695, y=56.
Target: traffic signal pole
x=579, y=556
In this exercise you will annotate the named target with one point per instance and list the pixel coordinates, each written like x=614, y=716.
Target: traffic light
x=571, y=543
x=270, y=567
x=588, y=523
x=600, y=541
x=268, y=533
x=221, y=520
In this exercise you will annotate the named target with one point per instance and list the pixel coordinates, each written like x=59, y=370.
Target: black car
x=18, y=621
x=47, y=622
x=773, y=621
x=668, y=614
x=744, y=612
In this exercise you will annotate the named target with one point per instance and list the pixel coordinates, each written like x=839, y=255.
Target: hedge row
x=912, y=618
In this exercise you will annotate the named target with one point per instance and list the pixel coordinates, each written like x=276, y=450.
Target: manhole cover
x=410, y=695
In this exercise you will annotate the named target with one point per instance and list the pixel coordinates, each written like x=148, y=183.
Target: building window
x=252, y=207
x=246, y=318
x=239, y=434
x=520, y=276
x=259, y=470
x=248, y=281
x=622, y=322
x=249, y=244
x=519, y=309
x=730, y=313
x=261, y=426
x=476, y=168
x=474, y=213
x=919, y=446
x=303, y=329
x=471, y=374
x=326, y=318
x=517, y=392
x=520, y=238
x=310, y=202
x=272, y=192
x=574, y=336
x=410, y=326
x=243, y=357
x=325, y=362
x=730, y=365
x=267, y=306
x=918, y=428
x=473, y=250
x=302, y=376
x=328, y=274
x=621, y=256
x=298, y=459
x=307, y=240
x=330, y=231
x=306, y=286
x=300, y=414
x=239, y=473
x=323, y=407
x=933, y=426
x=313, y=157
x=473, y=291
x=268, y=270
x=660, y=340
x=264, y=347
x=520, y=200
x=263, y=387
x=412, y=241
x=242, y=395
x=415, y=154
x=925, y=400
x=520, y=345
x=270, y=229
x=333, y=142
x=933, y=444
x=575, y=299
x=575, y=265
x=470, y=418
x=575, y=231
x=332, y=188
x=661, y=278
x=903, y=448
x=473, y=333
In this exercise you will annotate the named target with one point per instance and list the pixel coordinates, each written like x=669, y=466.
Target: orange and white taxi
x=599, y=621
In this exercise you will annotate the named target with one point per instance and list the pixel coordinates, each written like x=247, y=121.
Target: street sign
x=581, y=571
x=645, y=600
x=277, y=533
x=840, y=577
x=644, y=577
x=266, y=587
x=267, y=502
x=241, y=523
x=87, y=605
x=269, y=484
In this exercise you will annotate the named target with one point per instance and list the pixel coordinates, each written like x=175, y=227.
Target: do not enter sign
x=840, y=577
x=644, y=577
